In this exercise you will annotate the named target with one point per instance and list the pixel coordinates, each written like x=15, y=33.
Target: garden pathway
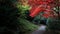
x=41, y=30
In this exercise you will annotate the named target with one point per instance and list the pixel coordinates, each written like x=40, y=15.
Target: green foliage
x=23, y=10
x=38, y=18
x=53, y=24
x=25, y=26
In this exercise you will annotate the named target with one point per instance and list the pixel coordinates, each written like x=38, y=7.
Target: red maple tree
x=45, y=6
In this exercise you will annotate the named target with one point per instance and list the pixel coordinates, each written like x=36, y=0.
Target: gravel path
x=41, y=30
